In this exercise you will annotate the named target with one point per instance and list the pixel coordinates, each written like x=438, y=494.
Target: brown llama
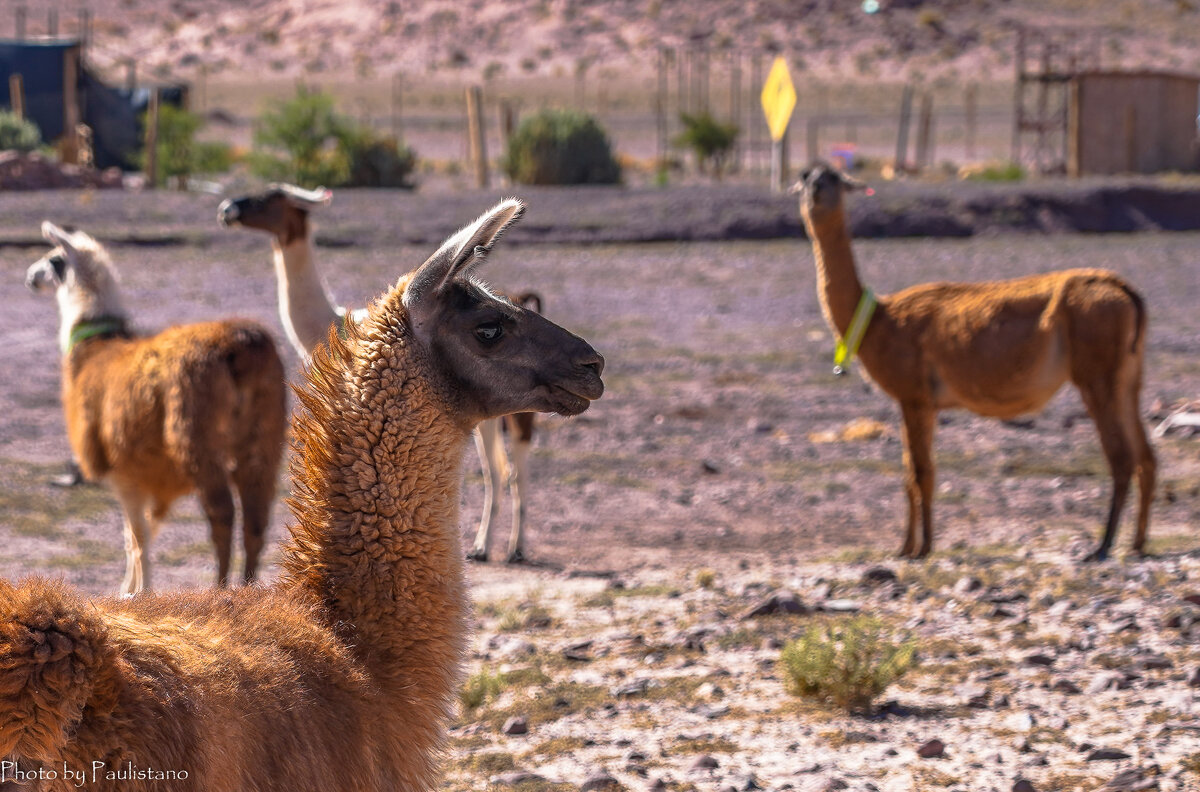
x=306, y=311
x=998, y=348
x=341, y=675
x=193, y=408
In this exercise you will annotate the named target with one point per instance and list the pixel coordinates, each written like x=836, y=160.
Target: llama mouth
x=566, y=402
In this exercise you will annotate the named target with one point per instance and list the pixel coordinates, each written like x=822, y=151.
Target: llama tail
x=1139, y=305
x=54, y=655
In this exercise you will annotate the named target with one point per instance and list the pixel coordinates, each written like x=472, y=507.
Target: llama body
x=307, y=311
x=341, y=675
x=999, y=349
x=196, y=408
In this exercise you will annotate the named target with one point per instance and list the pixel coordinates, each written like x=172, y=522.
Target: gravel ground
x=719, y=444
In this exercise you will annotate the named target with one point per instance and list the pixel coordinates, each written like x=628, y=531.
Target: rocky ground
x=725, y=463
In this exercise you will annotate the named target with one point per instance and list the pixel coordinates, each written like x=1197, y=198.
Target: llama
x=998, y=349
x=342, y=674
x=306, y=311
x=187, y=410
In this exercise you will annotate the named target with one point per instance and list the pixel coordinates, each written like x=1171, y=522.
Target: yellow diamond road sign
x=778, y=98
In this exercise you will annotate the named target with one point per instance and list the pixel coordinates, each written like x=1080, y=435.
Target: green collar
x=90, y=328
x=847, y=345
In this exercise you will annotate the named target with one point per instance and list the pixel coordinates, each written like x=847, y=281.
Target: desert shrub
x=179, y=153
x=480, y=688
x=375, y=160
x=304, y=140
x=18, y=133
x=993, y=172
x=709, y=139
x=560, y=147
x=846, y=664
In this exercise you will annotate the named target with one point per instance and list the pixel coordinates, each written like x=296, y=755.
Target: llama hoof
x=72, y=478
x=477, y=555
x=515, y=557
x=1099, y=554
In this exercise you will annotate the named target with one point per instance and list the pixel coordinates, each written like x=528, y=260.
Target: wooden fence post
x=152, y=141
x=478, y=145
x=924, y=131
x=902, y=133
x=16, y=94
x=69, y=146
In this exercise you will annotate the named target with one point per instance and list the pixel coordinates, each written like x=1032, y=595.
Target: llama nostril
x=595, y=363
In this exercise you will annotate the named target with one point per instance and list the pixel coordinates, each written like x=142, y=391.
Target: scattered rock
x=968, y=584
x=710, y=467
x=932, y=750
x=516, y=778
x=515, y=725
x=776, y=602
x=635, y=688
x=744, y=783
x=1039, y=659
x=879, y=574
x=657, y=785
x=705, y=762
x=841, y=606
x=1066, y=686
x=1108, y=680
x=1021, y=785
x=1134, y=779
x=580, y=651
x=511, y=647
x=1194, y=678
x=600, y=779
x=1106, y=755
x=1154, y=663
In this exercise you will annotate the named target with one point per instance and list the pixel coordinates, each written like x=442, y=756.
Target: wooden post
x=756, y=125
x=924, y=128
x=508, y=121
x=152, y=141
x=902, y=133
x=681, y=102
x=397, y=103
x=20, y=22
x=478, y=145
x=972, y=118
x=735, y=107
x=779, y=163
x=69, y=148
x=16, y=94
x=660, y=111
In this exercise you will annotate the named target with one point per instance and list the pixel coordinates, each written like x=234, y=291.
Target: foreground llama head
x=494, y=356
x=80, y=272
x=821, y=188
x=282, y=210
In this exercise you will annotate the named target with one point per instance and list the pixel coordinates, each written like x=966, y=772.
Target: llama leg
x=217, y=501
x=1147, y=468
x=256, y=491
x=137, y=541
x=491, y=449
x=918, y=478
x=1102, y=404
x=522, y=426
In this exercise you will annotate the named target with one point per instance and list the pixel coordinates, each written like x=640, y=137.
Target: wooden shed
x=1132, y=122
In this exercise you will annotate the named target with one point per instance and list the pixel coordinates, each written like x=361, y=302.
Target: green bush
x=560, y=147
x=18, y=133
x=304, y=140
x=711, y=141
x=846, y=664
x=179, y=153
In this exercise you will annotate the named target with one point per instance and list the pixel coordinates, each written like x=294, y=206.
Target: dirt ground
x=716, y=447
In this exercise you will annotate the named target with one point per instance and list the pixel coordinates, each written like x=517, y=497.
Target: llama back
x=228, y=397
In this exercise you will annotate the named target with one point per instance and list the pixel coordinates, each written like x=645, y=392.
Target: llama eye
x=489, y=332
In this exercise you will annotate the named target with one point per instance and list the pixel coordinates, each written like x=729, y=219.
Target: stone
x=932, y=750
x=879, y=574
x=1038, y=659
x=841, y=606
x=600, y=779
x=580, y=651
x=1108, y=680
x=1194, y=678
x=967, y=585
x=1106, y=755
x=1022, y=785
x=780, y=601
x=1066, y=686
x=1155, y=663
x=515, y=778
x=515, y=726
x=705, y=762
x=1135, y=779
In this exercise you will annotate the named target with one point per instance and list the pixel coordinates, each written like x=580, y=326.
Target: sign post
x=778, y=101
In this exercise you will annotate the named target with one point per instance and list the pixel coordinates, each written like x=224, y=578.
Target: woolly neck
x=376, y=482
x=305, y=307
x=100, y=327
x=838, y=285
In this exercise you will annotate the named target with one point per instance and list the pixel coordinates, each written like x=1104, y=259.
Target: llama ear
x=305, y=199
x=459, y=254
x=58, y=236
x=851, y=183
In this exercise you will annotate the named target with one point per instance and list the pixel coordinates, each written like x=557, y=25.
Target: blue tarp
x=114, y=114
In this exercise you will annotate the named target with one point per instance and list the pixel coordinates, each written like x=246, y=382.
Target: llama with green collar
x=195, y=408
